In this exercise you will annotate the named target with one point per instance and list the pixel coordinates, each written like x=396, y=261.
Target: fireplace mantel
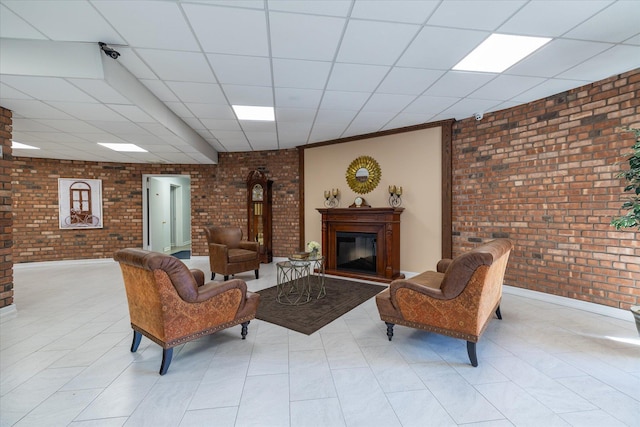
x=383, y=222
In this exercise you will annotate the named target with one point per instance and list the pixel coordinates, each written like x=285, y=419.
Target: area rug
x=342, y=297
x=182, y=255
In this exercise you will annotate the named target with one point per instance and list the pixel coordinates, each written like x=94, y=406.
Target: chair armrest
x=443, y=264
x=211, y=289
x=431, y=288
x=198, y=275
x=250, y=246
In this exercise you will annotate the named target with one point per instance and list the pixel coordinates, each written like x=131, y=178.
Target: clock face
x=257, y=193
x=358, y=201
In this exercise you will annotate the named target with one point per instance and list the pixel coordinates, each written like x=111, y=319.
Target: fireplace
x=356, y=252
x=362, y=243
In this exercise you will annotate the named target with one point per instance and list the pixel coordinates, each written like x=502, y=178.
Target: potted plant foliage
x=632, y=205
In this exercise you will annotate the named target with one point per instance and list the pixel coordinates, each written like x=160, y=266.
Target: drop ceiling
x=331, y=69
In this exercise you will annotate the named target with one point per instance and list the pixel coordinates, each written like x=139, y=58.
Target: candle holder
x=331, y=198
x=394, y=196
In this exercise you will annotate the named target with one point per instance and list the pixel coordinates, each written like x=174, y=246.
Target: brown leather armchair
x=229, y=254
x=457, y=300
x=171, y=305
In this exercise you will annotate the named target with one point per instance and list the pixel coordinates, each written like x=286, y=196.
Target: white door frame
x=146, y=235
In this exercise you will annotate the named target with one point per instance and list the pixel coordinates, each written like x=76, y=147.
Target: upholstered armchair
x=458, y=299
x=229, y=254
x=171, y=305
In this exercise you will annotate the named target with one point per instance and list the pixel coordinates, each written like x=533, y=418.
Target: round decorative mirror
x=363, y=174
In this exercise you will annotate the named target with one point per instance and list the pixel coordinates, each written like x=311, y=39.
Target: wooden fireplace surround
x=384, y=222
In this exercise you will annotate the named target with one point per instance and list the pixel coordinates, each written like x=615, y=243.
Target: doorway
x=166, y=206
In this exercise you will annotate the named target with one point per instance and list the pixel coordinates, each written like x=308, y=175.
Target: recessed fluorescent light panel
x=499, y=52
x=15, y=144
x=248, y=112
x=128, y=148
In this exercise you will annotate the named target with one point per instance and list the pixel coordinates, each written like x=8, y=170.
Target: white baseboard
x=570, y=302
x=563, y=301
x=8, y=312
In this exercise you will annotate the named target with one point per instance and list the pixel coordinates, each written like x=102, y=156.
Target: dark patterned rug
x=182, y=255
x=342, y=297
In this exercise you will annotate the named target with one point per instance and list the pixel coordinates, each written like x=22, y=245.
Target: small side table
x=294, y=286
x=317, y=265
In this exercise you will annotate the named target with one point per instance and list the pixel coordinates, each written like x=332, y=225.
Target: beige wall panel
x=411, y=160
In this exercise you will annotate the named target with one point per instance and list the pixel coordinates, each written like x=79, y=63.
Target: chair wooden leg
x=167, y=354
x=390, y=329
x=498, y=314
x=137, y=336
x=244, y=329
x=257, y=273
x=471, y=350
x=213, y=275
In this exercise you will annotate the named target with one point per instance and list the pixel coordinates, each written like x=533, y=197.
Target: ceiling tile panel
x=41, y=125
x=298, y=98
x=428, y=50
x=216, y=124
x=198, y=92
x=178, y=66
x=132, y=113
x=295, y=115
x=506, y=87
x=84, y=111
x=431, y=104
x=241, y=70
x=376, y=43
x=160, y=90
x=249, y=95
x=7, y=92
x=408, y=11
x=14, y=27
x=297, y=36
x=612, y=61
x=70, y=126
x=300, y=74
x=536, y=19
x=66, y=20
x=211, y=111
x=32, y=109
x=229, y=30
x=547, y=88
x=474, y=14
x=345, y=101
x=368, y=122
x=625, y=14
x=47, y=88
x=100, y=90
x=162, y=25
x=408, y=81
x=468, y=107
x=386, y=102
x=459, y=83
x=315, y=7
x=557, y=57
x=407, y=119
x=356, y=77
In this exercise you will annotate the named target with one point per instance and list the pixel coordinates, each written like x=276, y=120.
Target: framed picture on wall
x=80, y=203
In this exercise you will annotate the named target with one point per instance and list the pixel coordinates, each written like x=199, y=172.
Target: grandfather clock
x=259, y=213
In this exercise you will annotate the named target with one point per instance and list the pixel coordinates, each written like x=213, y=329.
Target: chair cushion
x=241, y=255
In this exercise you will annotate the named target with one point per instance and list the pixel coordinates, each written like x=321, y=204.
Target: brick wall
x=544, y=175
x=6, y=230
x=218, y=196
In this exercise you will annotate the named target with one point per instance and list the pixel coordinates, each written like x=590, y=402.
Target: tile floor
x=65, y=361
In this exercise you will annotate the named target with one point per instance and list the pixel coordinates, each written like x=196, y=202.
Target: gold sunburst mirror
x=363, y=174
